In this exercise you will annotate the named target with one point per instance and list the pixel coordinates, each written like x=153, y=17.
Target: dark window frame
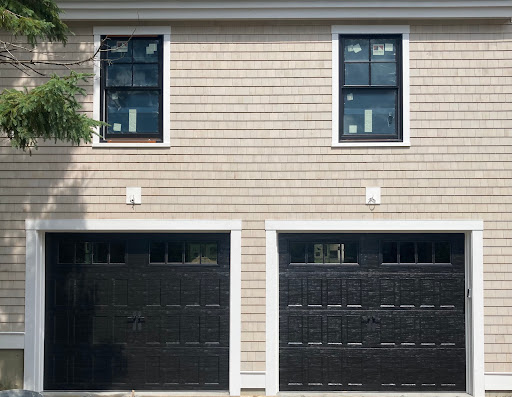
x=105, y=135
x=373, y=137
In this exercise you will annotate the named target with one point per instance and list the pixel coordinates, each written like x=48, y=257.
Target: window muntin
x=370, y=88
x=132, y=88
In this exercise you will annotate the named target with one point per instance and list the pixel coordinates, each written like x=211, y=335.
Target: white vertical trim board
x=473, y=231
x=165, y=31
x=35, y=284
x=404, y=30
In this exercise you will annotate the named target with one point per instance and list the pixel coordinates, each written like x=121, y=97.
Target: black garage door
x=372, y=312
x=137, y=311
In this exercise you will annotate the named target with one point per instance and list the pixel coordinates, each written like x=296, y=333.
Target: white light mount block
x=373, y=195
x=133, y=195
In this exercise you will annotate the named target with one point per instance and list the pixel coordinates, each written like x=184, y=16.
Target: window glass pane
x=209, y=253
x=442, y=250
x=83, y=252
x=389, y=252
x=193, y=253
x=297, y=253
x=157, y=252
x=66, y=252
x=100, y=253
x=332, y=253
x=356, y=50
x=383, y=49
x=369, y=112
x=145, y=50
x=145, y=75
x=384, y=73
x=133, y=112
x=349, y=252
x=357, y=74
x=424, y=252
x=119, y=50
x=316, y=253
x=407, y=253
x=119, y=75
x=175, y=253
x=117, y=251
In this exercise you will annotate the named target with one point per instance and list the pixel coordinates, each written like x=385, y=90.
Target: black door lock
x=371, y=322
x=137, y=319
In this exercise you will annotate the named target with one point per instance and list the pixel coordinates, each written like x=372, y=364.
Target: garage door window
x=416, y=253
x=311, y=253
x=87, y=252
x=180, y=253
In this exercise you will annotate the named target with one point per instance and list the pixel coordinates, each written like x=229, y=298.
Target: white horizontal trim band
x=129, y=225
x=498, y=381
x=252, y=379
x=12, y=340
x=376, y=226
x=176, y=10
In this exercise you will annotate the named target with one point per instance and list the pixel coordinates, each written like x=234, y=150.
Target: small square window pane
x=316, y=253
x=357, y=74
x=297, y=253
x=384, y=73
x=424, y=252
x=145, y=75
x=332, y=253
x=193, y=253
x=83, y=252
x=100, y=253
x=157, y=252
x=209, y=255
x=349, y=252
x=133, y=112
x=389, y=252
x=383, y=49
x=119, y=75
x=145, y=50
x=407, y=253
x=119, y=50
x=442, y=252
x=369, y=112
x=356, y=50
x=66, y=252
x=175, y=253
x=117, y=252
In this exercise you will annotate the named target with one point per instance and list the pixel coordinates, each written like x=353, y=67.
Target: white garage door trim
x=34, y=285
x=473, y=230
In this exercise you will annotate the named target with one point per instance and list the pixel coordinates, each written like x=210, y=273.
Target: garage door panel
x=388, y=326
x=134, y=324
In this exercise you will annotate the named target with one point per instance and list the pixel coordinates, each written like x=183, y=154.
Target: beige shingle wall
x=251, y=132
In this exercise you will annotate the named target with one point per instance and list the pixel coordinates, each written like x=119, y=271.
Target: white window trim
x=165, y=31
x=35, y=281
x=404, y=30
x=474, y=280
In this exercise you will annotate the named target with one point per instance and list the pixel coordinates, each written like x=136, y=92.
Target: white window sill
x=371, y=144
x=130, y=144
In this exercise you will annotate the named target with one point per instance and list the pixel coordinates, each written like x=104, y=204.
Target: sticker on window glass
x=151, y=49
x=357, y=48
x=115, y=97
x=117, y=127
x=378, y=49
x=368, y=125
x=122, y=46
x=350, y=97
x=352, y=129
x=388, y=47
x=132, y=120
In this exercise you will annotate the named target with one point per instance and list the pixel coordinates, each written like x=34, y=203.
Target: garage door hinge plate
x=469, y=293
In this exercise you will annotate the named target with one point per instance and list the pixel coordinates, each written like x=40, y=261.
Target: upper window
x=370, y=86
x=132, y=86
